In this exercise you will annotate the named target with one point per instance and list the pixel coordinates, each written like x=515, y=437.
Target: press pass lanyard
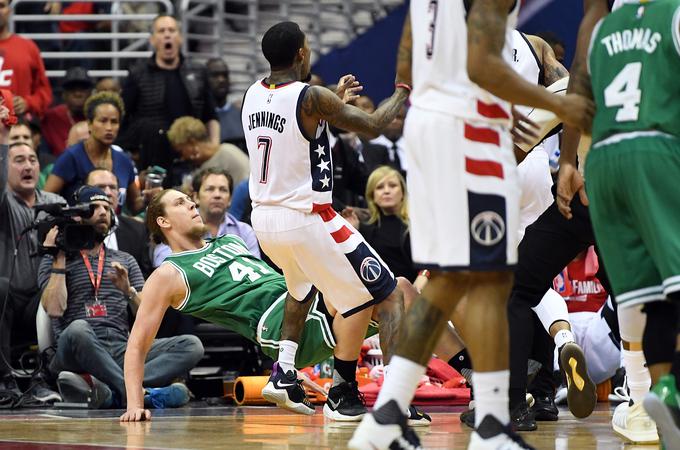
x=96, y=282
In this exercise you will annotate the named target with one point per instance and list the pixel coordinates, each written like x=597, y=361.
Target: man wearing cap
x=59, y=119
x=88, y=294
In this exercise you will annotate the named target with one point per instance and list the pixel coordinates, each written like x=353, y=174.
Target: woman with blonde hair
x=387, y=227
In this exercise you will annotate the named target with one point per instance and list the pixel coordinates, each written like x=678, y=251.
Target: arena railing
x=124, y=45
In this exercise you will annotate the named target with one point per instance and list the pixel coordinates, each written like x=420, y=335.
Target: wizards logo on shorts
x=488, y=230
x=370, y=270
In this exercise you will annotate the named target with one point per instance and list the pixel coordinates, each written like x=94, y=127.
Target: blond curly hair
x=103, y=98
x=187, y=129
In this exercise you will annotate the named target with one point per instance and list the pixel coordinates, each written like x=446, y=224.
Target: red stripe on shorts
x=483, y=168
x=485, y=135
x=491, y=110
x=326, y=214
x=342, y=234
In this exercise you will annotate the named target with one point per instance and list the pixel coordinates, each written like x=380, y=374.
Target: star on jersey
x=321, y=151
x=323, y=165
x=325, y=181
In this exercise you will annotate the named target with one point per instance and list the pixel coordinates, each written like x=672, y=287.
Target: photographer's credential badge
x=95, y=309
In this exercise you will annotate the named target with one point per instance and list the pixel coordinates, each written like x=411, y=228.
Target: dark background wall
x=372, y=56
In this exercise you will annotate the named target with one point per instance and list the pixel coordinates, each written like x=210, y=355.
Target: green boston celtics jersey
x=634, y=65
x=227, y=285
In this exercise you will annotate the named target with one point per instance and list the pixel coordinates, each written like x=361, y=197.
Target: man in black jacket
x=158, y=91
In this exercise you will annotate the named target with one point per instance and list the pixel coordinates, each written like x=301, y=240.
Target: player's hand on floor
x=524, y=130
x=578, y=111
x=136, y=415
x=569, y=182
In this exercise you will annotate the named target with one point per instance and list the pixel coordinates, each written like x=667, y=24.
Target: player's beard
x=198, y=231
x=308, y=78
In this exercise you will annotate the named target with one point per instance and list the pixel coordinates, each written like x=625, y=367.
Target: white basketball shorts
x=323, y=250
x=464, y=193
x=535, y=183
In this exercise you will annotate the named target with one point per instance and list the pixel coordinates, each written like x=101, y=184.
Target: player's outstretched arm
x=553, y=70
x=322, y=104
x=569, y=180
x=486, y=67
x=162, y=287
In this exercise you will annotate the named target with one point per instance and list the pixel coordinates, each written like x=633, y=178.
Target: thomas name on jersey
x=635, y=39
x=266, y=119
x=219, y=256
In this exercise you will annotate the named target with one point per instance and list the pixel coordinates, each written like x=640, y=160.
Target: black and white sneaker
x=345, y=403
x=581, y=391
x=285, y=390
x=492, y=435
x=418, y=418
x=385, y=428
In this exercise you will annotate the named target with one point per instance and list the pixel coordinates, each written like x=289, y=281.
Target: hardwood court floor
x=264, y=428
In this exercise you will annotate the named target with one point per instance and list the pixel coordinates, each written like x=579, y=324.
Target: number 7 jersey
x=287, y=167
x=634, y=65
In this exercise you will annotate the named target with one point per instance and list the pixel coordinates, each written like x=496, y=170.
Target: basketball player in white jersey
x=285, y=122
x=464, y=216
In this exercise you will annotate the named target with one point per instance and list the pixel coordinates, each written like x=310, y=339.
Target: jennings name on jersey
x=287, y=167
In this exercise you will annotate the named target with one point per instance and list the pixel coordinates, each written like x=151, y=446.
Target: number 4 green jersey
x=634, y=64
x=226, y=285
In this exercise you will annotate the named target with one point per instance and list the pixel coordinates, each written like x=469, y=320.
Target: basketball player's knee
x=631, y=321
x=660, y=332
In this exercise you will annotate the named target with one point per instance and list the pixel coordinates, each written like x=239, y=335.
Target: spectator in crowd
x=22, y=70
x=189, y=137
x=104, y=112
x=316, y=80
x=59, y=119
x=79, y=132
x=161, y=89
x=19, y=292
x=212, y=193
x=392, y=138
x=127, y=234
x=231, y=128
x=371, y=156
x=387, y=228
x=107, y=84
x=29, y=133
x=88, y=295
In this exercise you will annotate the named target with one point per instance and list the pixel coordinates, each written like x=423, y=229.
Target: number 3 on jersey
x=623, y=91
x=264, y=143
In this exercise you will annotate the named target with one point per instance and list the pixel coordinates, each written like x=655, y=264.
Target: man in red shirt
x=59, y=119
x=21, y=69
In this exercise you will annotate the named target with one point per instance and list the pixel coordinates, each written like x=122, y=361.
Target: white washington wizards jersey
x=439, y=62
x=287, y=168
x=526, y=63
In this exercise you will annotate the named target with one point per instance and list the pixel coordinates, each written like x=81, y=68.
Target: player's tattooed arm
x=486, y=36
x=404, y=54
x=322, y=104
x=553, y=70
x=579, y=82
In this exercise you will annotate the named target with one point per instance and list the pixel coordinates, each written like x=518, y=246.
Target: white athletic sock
x=287, y=351
x=491, y=395
x=562, y=337
x=551, y=309
x=637, y=373
x=402, y=383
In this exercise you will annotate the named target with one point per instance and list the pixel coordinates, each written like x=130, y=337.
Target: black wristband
x=59, y=271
